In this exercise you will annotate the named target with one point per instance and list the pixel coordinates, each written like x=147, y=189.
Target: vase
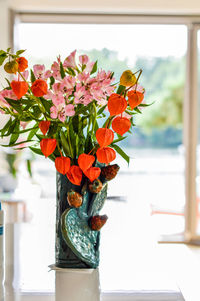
x=77, y=245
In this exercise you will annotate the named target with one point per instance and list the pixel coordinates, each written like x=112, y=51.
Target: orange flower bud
x=106, y=155
x=44, y=126
x=75, y=175
x=92, y=173
x=135, y=98
x=22, y=63
x=117, y=104
x=97, y=222
x=48, y=146
x=62, y=164
x=20, y=88
x=121, y=125
x=39, y=87
x=85, y=161
x=104, y=136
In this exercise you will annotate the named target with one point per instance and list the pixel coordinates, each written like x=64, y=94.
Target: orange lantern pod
x=44, y=126
x=48, y=146
x=92, y=173
x=62, y=164
x=39, y=87
x=117, y=104
x=22, y=63
x=106, y=155
x=85, y=161
x=104, y=136
x=135, y=98
x=121, y=125
x=75, y=175
x=19, y=88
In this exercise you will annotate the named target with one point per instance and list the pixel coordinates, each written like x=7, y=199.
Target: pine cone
x=109, y=172
x=97, y=222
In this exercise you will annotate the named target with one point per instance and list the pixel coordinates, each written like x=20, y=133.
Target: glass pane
x=147, y=198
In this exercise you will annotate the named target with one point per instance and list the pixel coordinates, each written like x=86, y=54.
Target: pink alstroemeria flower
x=70, y=61
x=68, y=84
x=55, y=68
x=83, y=59
x=61, y=111
x=82, y=95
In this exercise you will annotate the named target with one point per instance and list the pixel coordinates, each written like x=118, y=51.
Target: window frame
x=191, y=88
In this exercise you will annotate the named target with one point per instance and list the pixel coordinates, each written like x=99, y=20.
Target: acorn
x=74, y=198
x=95, y=186
x=97, y=222
x=109, y=172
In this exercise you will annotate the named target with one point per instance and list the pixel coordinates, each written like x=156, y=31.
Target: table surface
x=130, y=268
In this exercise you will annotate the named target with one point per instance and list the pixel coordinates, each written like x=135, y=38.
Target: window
x=153, y=196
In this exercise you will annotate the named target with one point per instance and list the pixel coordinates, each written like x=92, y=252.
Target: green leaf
x=62, y=71
x=15, y=104
x=2, y=52
x=76, y=123
x=18, y=143
x=100, y=111
x=2, y=58
x=47, y=105
x=6, y=127
x=64, y=143
x=32, y=76
x=71, y=71
x=28, y=165
x=36, y=150
x=146, y=104
x=52, y=81
x=20, y=52
x=121, y=153
x=118, y=140
x=121, y=89
x=137, y=110
x=94, y=69
x=13, y=138
x=88, y=143
x=36, y=111
x=8, y=49
x=32, y=133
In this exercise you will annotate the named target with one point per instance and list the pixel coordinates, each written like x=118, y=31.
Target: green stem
x=95, y=117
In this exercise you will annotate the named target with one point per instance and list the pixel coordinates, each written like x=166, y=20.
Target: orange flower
x=134, y=98
x=20, y=88
x=117, y=104
x=104, y=136
x=92, y=173
x=127, y=78
x=39, y=87
x=121, y=125
x=48, y=146
x=22, y=63
x=85, y=161
x=106, y=155
x=75, y=175
x=62, y=164
x=44, y=126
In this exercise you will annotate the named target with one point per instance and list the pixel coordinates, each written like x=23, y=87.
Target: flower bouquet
x=69, y=111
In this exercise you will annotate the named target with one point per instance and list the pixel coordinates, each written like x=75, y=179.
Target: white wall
x=107, y=6
x=127, y=6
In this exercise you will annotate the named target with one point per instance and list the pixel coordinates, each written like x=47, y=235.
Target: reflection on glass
x=152, y=188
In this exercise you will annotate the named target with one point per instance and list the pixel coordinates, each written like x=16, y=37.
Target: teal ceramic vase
x=77, y=245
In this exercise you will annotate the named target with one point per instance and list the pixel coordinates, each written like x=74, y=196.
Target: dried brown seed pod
x=74, y=198
x=109, y=172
